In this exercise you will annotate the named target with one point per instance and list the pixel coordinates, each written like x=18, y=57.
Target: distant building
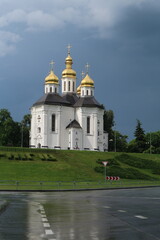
x=71, y=120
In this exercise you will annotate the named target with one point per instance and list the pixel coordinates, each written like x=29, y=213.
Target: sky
x=120, y=39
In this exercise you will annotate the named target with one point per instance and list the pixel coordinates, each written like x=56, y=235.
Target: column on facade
x=59, y=127
x=95, y=131
x=45, y=129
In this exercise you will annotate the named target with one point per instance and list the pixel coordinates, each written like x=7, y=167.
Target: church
x=72, y=119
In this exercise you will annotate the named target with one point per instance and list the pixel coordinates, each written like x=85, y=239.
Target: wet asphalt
x=131, y=214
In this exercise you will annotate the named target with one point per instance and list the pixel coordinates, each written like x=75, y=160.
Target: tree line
x=16, y=134
x=142, y=142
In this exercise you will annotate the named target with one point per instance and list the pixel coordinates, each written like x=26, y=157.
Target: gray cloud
x=107, y=18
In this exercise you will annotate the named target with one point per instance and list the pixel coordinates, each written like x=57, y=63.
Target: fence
x=73, y=185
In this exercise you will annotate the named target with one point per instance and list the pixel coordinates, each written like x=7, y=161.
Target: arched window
x=91, y=93
x=55, y=90
x=88, y=124
x=53, y=122
x=39, y=130
x=64, y=86
x=87, y=92
x=69, y=86
x=50, y=89
x=73, y=86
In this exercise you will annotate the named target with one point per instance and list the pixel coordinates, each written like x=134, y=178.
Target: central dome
x=68, y=72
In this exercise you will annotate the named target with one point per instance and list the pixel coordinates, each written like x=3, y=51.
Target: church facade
x=70, y=120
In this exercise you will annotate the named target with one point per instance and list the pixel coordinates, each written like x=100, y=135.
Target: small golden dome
x=87, y=81
x=68, y=72
x=79, y=90
x=51, y=78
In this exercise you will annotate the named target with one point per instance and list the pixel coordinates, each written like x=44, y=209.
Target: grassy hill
x=58, y=165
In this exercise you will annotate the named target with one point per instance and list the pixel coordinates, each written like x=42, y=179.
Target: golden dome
x=68, y=72
x=87, y=81
x=79, y=90
x=51, y=78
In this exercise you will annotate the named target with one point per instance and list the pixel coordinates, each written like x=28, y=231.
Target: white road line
x=44, y=220
x=122, y=211
x=141, y=217
x=49, y=232
x=43, y=216
x=46, y=225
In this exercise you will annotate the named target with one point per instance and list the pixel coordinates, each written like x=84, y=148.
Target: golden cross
x=69, y=48
x=87, y=67
x=82, y=74
x=52, y=63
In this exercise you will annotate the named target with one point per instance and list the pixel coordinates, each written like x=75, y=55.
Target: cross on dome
x=52, y=64
x=87, y=66
x=82, y=74
x=69, y=48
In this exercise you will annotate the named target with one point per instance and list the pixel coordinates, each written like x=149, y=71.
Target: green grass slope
x=59, y=165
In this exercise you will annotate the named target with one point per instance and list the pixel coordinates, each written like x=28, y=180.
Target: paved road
x=94, y=215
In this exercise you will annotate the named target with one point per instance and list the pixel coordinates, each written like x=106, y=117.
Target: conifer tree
x=139, y=138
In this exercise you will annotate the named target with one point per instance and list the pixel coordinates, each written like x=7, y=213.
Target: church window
x=39, y=118
x=88, y=124
x=53, y=122
x=83, y=93
x=39, y=130
x=73, y=86
x=55, y=90
x=91, y=93
x=69, y=86
x=50, y=89
x=64, y=86
x=87, y=92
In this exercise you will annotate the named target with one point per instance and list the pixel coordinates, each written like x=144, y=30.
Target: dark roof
x=74, y=124
x=70, y=97
x=88, y=102
x=52, y=99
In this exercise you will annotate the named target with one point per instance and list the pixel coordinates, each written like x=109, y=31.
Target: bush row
x=138, y=162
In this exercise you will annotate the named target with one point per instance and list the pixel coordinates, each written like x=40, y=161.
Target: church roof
x=74, y=124
x=52, y=99
x=88, y=102
x=70, y=97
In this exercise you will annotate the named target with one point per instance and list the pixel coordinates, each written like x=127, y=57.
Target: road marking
x=106, y=207
x=122, y=211
x=46, y=224
x=141, y=217
x=49, y=232
x=44, y=220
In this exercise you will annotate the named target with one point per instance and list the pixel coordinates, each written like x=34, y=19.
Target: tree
x=25, y=129
x=108, y=123
x=140, y=141
x=9, y=130
x=121, y=142
x=153, y=142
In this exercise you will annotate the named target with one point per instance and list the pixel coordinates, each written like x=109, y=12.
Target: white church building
x=70, y=120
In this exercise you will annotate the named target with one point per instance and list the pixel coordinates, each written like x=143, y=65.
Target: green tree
x=153, y=142
x=140, y=140
x=25, y=129
x=9, y=130
x=108, y=123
